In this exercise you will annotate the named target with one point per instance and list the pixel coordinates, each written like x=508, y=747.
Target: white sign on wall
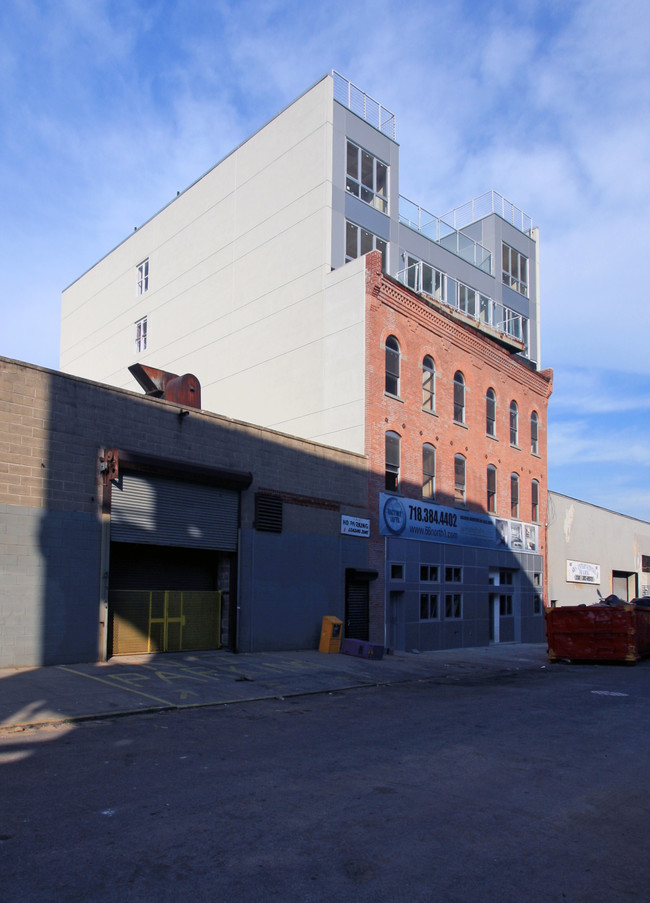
x=355, y=526
x=582, y=572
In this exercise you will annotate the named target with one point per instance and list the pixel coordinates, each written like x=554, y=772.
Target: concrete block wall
x=53, y=427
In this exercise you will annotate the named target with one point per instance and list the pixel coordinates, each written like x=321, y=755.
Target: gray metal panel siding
x=146, y=509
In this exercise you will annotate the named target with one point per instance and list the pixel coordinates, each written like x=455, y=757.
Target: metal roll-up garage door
x=158, y=511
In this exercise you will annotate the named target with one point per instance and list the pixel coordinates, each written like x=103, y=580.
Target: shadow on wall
x=275, y=585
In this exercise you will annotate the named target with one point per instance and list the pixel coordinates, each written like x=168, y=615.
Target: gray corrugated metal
x=149, y=509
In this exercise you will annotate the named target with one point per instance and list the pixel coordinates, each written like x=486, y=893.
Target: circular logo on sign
x=394, y=516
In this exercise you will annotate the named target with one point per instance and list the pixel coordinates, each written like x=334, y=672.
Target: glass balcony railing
x=425, y=279
x=444, y=234
x=490, y=202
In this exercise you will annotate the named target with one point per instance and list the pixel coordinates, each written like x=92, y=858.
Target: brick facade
x=427, y=329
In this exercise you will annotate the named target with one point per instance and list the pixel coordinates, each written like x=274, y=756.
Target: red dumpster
x=600, y=632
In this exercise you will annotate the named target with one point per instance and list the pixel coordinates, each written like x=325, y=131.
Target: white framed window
x=453, y=605
x=141, y=335
x=143, y=277
x=453, y=574
x=428, y=471
x=429, y=573
x=428, y=384
x=422, y=277
x=514, y=268
x=429, y=610
x=397, y=571
x=393, y=442
x=534, y=501
x=391, y=383
x=534, y=433
x=367, y=177
x=459, y=397
x=359, y=241
x=466, y=299
x=514, y=495
x=491, y=413
x=459, y=481
x=491, y=489
x=514, y=424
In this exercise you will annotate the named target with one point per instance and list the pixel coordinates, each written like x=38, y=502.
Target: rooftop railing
x=363, y=105
x=422, y=278
x=490, y=202
x=440, y=230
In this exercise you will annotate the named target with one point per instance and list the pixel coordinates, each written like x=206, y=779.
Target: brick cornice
x=383, y=290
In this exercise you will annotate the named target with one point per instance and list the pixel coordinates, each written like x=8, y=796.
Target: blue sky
x=108, y=107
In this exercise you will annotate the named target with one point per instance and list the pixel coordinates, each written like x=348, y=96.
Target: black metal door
x=357, y=608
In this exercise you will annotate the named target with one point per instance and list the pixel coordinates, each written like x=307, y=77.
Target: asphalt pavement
x=126, y=685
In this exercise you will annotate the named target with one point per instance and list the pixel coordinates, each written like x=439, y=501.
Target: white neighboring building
x=248, y=278
x=591, y=550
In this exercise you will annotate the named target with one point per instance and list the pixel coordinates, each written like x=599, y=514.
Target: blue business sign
x=414, y=519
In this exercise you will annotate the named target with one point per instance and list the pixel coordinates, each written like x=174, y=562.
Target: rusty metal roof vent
x=184, y=390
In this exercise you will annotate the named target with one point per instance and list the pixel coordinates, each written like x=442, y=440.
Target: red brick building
x=456, y=438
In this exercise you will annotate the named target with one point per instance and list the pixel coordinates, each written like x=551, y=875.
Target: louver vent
x=645, y=564
x=268, y=513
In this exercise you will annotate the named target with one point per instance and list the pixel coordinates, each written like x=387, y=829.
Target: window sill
x=463, y=425
x=512, y=445
x=393, y=397
x=431, y=413
x=535, y=454
x=493, y=438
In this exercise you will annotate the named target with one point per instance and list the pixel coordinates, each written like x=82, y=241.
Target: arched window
x=491, y=489
x=534, y=501
x=514, y=423
x=392, y=461
x=459, y=480
x=534, y=433
x=514, y=495
x=428, y=384
x=428, y=471
x=459, y=397
x=491, y=412
x=392, y=365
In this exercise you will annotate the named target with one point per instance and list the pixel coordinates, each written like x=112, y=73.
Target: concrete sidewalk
x=133, y=684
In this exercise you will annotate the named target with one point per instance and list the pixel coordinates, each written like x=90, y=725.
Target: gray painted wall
x=50, y=491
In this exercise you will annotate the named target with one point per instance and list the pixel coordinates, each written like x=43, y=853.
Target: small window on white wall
x=143, y=277
x=141, y=335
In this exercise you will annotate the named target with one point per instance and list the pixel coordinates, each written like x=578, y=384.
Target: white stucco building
x=242, y=277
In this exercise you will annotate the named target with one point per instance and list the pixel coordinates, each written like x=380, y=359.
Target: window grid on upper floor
x=514, y=270
x=359, y=241
x=366, y=177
